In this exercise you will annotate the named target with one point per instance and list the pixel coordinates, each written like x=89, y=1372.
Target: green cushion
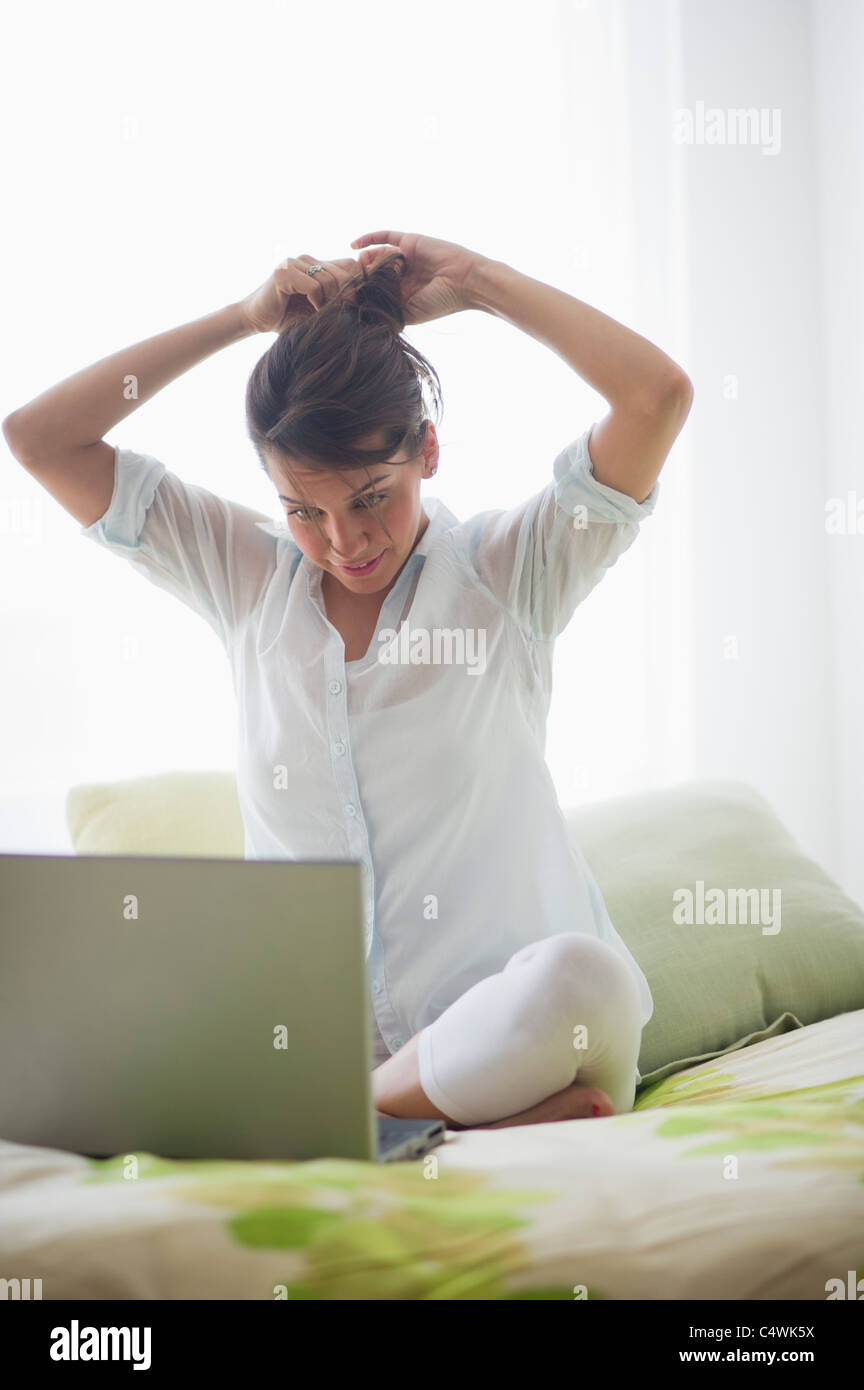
x=716, y=988
x=719, y=987
x=172, y=813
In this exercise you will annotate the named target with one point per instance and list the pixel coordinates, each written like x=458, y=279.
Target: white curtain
x=748, y=254
x=837, y=46
x=167, y=167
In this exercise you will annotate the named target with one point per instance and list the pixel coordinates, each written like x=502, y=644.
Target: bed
x=738, y=1175
x=692, y=1195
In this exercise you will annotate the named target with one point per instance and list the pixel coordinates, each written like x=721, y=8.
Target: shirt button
x=398, y=1042
x=376, y=986
x=339, y=748
x=334, y=687
x=350, y=810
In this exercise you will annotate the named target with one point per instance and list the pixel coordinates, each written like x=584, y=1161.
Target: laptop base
x=400, y=1139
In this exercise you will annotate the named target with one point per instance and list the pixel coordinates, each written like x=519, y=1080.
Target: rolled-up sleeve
x=541, y=558
x=214, y=555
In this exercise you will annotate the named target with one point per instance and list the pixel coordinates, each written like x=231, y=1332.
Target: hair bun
x=368, y=312
x=378, y=296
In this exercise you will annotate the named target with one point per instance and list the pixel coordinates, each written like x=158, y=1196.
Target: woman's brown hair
x=339, y=374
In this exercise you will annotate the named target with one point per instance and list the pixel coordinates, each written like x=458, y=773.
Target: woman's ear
x=430, y=448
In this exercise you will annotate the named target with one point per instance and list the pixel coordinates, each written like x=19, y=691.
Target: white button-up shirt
x=423, y=759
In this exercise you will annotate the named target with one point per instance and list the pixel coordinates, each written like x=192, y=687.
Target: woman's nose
x=349, y=539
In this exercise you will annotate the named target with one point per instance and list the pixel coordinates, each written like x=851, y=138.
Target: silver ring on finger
x=314, y=269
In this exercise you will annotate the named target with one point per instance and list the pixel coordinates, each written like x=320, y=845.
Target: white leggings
x=562, y=1007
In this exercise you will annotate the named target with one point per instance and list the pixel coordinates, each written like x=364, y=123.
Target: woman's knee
x=571, y=966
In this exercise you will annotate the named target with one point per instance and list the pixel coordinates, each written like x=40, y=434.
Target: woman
x=392, y=665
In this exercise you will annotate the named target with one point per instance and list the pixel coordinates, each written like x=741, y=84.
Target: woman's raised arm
x=58, y=435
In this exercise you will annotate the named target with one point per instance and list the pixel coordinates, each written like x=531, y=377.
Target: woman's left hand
x=437, y=278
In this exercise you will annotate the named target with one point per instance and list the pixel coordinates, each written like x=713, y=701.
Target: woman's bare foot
x=396, y=1091
x=575, y=1102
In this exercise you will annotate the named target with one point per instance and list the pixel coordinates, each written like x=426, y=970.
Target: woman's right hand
x=291, y=293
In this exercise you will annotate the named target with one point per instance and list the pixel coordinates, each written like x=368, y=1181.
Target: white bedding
x=742, y=1178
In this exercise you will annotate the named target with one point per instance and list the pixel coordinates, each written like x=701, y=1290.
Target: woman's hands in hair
x=291, y=293
x=436, y=280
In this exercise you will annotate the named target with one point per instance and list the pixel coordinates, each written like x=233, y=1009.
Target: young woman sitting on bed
x=392, y=664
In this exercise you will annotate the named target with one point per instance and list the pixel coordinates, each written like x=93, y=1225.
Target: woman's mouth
x=361, y=570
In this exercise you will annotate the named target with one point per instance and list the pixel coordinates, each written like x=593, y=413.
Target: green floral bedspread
x=741, y=1178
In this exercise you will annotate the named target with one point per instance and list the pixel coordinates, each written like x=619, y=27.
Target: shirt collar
x=441, y=519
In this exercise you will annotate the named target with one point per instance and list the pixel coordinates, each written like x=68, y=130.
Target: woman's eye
x=371, y=499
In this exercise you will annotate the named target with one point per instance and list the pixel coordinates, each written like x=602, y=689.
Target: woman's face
x=350, y=532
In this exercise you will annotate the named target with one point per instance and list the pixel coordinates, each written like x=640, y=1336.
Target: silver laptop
x=191, y=1008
